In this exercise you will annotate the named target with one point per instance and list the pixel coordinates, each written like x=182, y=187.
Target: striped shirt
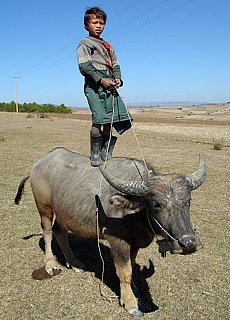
x=97, y=59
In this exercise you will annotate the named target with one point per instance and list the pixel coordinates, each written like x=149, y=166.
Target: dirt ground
x=177, y=287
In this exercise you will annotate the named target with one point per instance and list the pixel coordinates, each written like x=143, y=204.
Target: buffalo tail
x=20, y=190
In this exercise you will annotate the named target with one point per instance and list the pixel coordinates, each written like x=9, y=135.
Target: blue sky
x=174, y=50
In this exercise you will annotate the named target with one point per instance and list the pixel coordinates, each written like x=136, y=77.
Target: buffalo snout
x=189, y=244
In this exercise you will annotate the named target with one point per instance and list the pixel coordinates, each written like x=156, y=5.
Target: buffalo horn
x=197, y=178
x=134, y=188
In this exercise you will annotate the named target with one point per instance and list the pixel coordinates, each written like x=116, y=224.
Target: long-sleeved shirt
x=97, y=59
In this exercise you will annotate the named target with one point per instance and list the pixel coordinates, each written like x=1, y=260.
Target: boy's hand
x=109, y=84
x=117, y=83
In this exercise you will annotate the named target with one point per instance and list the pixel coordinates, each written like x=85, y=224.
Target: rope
x=162, y=249
x=135, y=135
x=109, y=298
x=159, y=225
x=105, y=296
x=162, y=228
x=110, y=132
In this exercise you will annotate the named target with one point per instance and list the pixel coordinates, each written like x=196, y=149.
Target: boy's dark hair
x=94, y=11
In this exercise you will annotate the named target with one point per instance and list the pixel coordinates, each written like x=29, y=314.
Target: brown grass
x=183, y=287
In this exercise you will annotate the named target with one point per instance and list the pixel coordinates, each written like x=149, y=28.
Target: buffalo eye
x=155, y=204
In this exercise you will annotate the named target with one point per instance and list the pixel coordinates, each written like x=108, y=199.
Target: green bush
x=218, y=143
x=34, y=107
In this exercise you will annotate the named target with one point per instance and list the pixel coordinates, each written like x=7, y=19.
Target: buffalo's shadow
x=86, y=251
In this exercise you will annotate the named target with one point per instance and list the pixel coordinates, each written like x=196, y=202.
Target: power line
x=118, y=13
x=119, y=36
x=154, y=19
x=140, y=15
x=52, y=55
x=61, y=50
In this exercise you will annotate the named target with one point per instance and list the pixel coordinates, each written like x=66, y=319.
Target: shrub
x=218, y=143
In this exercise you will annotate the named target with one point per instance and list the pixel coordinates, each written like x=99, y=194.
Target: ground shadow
x=86, y=250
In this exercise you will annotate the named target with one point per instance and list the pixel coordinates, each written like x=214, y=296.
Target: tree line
x=34, y=107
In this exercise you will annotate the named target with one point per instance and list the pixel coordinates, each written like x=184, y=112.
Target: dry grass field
x=178, y=287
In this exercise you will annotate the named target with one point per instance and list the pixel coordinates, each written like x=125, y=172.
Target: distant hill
x=166, y=103
x=155, y=104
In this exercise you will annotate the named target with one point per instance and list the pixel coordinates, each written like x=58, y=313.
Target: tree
x=34, y=107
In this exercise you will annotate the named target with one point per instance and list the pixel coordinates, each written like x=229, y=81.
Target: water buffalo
x=133, y=203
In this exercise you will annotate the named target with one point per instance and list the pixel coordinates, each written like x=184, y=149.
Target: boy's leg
x=95, y=145
x=107, y=143
x=96, y=128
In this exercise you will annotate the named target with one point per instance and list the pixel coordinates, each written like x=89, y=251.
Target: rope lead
x=109, y=298
x=135, y=135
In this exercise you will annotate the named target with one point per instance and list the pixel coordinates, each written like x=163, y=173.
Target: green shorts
x=107, y=108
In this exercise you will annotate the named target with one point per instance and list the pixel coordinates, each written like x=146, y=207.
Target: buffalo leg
x=121, y=255
x=61, y=235
x=133, y=254
x=50, y=260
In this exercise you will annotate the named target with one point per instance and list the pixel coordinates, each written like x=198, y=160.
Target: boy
x=99, y=65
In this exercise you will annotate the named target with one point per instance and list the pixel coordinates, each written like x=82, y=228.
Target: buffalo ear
x=117, y=200
x=126, y=202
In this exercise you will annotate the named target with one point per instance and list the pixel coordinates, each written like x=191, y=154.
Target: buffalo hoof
x=54, y=271
x=43, y=274
x=136, y=312
x=76, y=266
x=79, y=270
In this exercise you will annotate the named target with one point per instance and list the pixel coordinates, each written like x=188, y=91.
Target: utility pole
x=16, y=87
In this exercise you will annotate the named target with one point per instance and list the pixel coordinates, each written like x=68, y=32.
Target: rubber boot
x=107, y=149
x=95, y=148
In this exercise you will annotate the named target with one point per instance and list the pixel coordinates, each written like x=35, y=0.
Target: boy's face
x=95, y=26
